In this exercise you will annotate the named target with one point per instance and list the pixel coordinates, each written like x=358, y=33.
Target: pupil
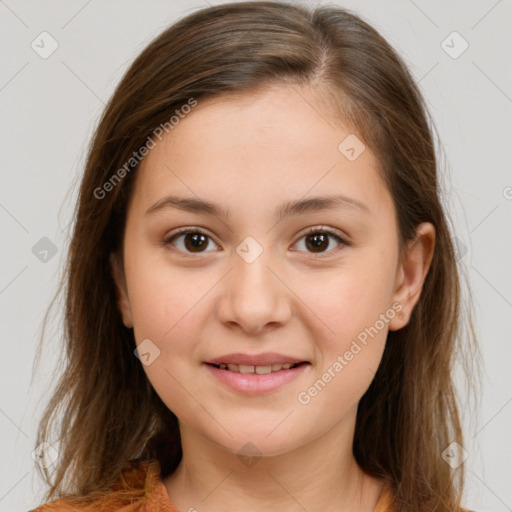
x=197, y=241
x=317, y=241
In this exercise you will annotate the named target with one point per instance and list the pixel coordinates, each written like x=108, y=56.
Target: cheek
x=162, y=297
x=168, y=307
x=350, y=349
x=346, y=301
x=352, y=312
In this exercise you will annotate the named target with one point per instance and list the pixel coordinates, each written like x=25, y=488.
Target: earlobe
x=123, y=302
x=412, y=273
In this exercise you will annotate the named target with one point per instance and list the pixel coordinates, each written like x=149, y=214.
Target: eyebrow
x=297, y=207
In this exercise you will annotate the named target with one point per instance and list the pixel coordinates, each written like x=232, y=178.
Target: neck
x=322, y=475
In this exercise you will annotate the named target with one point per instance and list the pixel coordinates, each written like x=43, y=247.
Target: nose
x=253, y=297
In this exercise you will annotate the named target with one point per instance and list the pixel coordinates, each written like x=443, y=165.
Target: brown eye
x=319, y=241
x=195, y=242
x=190, y=241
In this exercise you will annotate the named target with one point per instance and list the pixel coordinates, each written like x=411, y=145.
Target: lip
x=264, y=359
x=254, y=383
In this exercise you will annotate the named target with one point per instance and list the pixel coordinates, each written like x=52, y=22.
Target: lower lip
x=254, y=383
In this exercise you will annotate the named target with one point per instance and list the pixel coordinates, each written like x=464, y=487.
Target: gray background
x=51, y=106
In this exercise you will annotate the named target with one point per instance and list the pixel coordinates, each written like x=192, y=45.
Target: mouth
x=251, y=379
x=256, y=369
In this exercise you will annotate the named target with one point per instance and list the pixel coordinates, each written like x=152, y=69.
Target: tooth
x=263, y=369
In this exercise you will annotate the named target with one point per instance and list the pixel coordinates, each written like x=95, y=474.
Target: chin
x=258, y=444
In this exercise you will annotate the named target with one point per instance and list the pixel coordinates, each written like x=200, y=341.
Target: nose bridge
x=254, y=296
x=253, y=275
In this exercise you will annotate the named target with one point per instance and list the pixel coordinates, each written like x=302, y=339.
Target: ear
x=123, y=302
x=412, y=272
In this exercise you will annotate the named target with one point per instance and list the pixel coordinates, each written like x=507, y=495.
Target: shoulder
x=386, y=501
x=135, y=486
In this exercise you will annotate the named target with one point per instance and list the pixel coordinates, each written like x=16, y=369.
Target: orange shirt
x=156, y=498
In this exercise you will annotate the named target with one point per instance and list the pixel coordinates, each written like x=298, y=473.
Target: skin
x=250, y=153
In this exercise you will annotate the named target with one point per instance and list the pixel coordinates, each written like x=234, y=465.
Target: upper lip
x=264, y=359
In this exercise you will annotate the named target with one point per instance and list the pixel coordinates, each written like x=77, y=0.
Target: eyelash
x=316, y=230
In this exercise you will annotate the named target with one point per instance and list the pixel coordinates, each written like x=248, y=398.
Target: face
x=319, y=283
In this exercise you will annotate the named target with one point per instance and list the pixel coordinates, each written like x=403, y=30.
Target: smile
x=256, y=380
x=260, y=370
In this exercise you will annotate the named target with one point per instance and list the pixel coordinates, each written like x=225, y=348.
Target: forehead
x=240, y=148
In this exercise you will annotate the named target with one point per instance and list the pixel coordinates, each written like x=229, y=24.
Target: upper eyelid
x=329, y=230
x=312, y=229
x=191, y=229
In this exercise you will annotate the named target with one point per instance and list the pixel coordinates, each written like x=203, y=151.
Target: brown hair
x=409, y=414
